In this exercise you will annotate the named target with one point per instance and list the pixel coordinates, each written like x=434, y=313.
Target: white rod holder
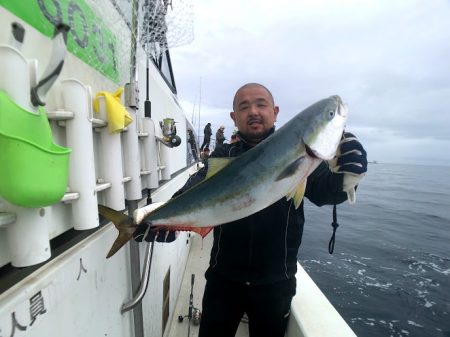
x=149, y=154
x=27, y=237
x=132, y=161
x=77, y=99
x=15, y=76
x=111, y=162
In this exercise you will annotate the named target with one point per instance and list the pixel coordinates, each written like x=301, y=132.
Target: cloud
x=388, y=60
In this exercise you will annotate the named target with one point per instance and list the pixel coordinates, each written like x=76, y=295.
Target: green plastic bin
x=33, y=169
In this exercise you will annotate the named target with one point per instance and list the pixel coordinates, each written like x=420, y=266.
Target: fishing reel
x=196, y=316
x=169, y=131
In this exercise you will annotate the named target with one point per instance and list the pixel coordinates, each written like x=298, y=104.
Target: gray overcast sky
x=388, y=60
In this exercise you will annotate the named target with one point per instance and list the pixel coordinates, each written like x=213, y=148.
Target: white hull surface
x=55, y=279
x=80, y=293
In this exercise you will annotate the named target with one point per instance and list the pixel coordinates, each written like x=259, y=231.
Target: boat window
x=165, y=68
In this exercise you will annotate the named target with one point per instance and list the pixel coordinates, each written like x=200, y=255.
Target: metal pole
x=132, y=205
x=138, y=316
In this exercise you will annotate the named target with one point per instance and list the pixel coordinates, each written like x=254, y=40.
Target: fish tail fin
x=121, y=240
x=124, y=224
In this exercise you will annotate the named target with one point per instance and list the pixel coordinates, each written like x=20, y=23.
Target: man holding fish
x=255, y=204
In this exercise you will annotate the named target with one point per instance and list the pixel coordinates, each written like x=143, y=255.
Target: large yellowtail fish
x=235, y=188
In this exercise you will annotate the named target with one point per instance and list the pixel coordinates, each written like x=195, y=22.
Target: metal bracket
x=7, y=218
x=132, y=95
x=144, y=280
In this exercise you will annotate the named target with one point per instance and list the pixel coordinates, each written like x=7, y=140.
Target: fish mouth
x=310, y=152
x=342, y=109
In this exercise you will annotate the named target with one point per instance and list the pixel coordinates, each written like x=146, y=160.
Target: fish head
x=325, y=122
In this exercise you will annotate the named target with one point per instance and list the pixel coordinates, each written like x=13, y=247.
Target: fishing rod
x=194, y=314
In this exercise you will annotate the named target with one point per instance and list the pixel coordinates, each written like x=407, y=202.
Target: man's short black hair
x=252, y=84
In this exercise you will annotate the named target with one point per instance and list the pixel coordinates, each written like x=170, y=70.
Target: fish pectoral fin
x=291, y=169
x=297, y=193
x=217, y=164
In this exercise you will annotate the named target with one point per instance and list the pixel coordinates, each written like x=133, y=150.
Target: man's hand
x=350, y=160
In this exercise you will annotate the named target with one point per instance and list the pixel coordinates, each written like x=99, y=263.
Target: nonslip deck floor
x=197, y=264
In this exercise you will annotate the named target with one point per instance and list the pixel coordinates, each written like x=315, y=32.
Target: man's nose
x=254, y=109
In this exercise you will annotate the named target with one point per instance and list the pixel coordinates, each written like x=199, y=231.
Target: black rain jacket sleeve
x=325, y=187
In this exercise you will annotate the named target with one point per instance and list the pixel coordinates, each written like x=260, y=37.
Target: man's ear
x=276, y=110
x=233, y=117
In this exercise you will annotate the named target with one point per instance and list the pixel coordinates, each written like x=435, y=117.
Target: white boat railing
x=312, y=315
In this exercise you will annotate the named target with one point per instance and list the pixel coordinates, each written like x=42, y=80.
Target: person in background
x=234, y=138
x=207, y=136
x=254, y=260
x=205, y=155
x=220, y=137
x=192, y=143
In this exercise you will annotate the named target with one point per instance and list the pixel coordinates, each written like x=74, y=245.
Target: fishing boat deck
x=311, y=313
x=197, y=264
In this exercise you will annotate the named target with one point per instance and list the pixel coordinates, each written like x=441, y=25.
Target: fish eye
x=331, y=113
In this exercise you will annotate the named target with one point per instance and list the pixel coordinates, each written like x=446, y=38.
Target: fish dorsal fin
x=297, y=193
x=291, y=169
x=217, y=164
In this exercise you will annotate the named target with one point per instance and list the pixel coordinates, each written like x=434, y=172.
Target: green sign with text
x=88, y=38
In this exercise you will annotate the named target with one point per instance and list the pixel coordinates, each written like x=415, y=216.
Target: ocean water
x=390, y=271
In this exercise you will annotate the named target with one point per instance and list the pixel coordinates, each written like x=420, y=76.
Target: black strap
x=335, y=225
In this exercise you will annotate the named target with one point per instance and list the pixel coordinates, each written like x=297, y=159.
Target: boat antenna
x=199, y=106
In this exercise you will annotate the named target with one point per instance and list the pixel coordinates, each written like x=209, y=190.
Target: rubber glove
x=350, y=160
x=148, y=233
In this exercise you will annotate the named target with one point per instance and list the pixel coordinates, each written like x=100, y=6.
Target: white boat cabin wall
x=103, y=167
x=72, y=289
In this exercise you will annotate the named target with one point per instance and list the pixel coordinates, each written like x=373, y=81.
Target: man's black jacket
x=262, y=248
